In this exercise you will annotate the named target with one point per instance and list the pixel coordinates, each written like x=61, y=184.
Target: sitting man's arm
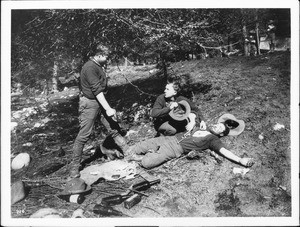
x=159, y=108
x=198, y=114
x=192, y=123
x=247, y=162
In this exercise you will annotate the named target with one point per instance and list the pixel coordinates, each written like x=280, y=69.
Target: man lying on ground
x=156, y=151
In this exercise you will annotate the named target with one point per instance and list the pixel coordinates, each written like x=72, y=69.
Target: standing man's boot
x=75, y=163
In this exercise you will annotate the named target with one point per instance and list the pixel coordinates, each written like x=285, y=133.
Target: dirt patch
x=227, y=204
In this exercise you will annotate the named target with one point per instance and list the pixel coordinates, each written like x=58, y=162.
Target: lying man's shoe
x=120, y=141
x=111, y=154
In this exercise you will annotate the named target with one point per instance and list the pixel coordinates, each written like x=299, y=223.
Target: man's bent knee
x=147, y=165
x=150, y=163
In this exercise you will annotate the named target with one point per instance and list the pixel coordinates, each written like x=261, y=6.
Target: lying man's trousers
x=157, y=150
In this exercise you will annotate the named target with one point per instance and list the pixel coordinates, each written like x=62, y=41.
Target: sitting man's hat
x=236, y=126
x=75, y=186
x=181, y=112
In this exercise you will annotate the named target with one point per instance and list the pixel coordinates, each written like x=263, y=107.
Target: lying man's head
x=223, y=128
x=220, y=129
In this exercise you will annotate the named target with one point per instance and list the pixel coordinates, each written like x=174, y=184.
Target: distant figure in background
x=172, y=102
x=93, y=87
x=271, y=35
x=252, y=43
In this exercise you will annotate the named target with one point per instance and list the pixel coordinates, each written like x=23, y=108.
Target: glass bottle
x=132, y=201
x=144, y=185
x=114, y=200
x=106, y=210
x=76, y=198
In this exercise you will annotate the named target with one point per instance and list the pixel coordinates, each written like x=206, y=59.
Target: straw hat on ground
x=235, y=125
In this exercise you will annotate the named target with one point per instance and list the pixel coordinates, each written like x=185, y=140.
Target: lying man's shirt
x=199, y=141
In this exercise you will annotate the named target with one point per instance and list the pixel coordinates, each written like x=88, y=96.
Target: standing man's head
x=101, y=54
x=172, y=89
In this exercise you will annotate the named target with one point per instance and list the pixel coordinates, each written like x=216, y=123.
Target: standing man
x=165, y=104
x=93, y=83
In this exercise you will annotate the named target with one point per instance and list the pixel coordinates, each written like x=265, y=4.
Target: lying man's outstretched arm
x=247, y=162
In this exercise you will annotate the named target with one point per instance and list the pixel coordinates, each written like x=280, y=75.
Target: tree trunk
x=126, y=62
x=230, y=47
x=54, y=77
x=164, y=66
x=257, y=39
x=165, y=69
x=246, y=41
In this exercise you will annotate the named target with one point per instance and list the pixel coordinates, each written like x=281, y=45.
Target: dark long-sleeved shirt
x=93, y=80
x=161, y=107
x=205, y=141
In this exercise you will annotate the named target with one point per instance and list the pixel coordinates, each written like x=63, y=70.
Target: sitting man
x=156, y=151
x=164, y=124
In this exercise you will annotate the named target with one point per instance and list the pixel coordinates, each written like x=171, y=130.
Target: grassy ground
x=255, y=89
